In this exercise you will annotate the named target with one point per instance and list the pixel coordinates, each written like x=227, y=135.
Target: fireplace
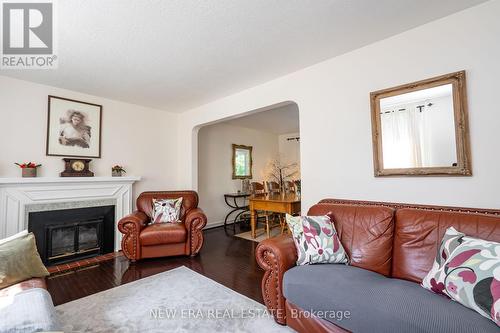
x=66, y=240
x=70, y=234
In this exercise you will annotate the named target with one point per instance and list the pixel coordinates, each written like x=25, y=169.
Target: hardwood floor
x=224, y=258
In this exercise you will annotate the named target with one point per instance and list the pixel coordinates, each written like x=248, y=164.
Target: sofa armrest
x=130, y=226
x=276, y=256
x=195, y=221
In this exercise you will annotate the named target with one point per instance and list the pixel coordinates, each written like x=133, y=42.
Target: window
x=242, y=162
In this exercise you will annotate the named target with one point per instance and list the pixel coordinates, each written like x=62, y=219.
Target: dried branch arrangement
x=281, y=172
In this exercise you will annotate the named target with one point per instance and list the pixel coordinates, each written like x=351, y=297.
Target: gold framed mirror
x=242, y=162
x=421, y=128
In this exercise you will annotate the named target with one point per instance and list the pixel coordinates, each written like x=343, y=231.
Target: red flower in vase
x=28, y=165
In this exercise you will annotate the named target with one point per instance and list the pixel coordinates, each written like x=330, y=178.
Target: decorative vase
x=116, y=173
x=245, y=185
x=28, y=172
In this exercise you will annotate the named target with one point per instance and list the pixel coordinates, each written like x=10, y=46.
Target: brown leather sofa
x=141, y=239
x=392, y=246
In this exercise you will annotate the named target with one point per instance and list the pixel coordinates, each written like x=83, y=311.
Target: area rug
x=179, y=300
x=260, y=234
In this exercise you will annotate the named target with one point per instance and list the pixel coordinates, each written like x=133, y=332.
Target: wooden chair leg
x=268, y=231
x=285, y=226
x=282, y=224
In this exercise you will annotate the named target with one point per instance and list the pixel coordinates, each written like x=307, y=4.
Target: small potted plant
x=117, y=171
x=28, y=169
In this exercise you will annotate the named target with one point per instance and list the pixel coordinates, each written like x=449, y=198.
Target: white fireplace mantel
x=65, y=180
x=18, y=196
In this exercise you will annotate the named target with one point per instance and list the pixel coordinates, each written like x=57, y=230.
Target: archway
x=272, y=131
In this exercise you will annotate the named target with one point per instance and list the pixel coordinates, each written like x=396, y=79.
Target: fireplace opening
x=66, y=240
x=71, y=234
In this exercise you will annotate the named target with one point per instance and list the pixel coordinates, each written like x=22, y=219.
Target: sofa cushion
x=432, y=281
x=366, y=232
x=377, y=303
x=30, y=310
x=467, y=270
x=163, y=233
x=19, y=260
x=166, y=210
x=418, y=234
x=316, y=240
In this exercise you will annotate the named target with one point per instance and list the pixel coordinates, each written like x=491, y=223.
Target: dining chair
x=259, y=188
x=290, y=186
x=273, y=187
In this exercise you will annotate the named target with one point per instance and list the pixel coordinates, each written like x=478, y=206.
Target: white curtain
x=405, y=140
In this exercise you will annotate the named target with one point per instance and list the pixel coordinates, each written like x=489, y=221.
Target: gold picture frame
x=237, y=174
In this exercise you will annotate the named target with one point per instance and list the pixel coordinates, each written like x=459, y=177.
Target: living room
x=126, y=92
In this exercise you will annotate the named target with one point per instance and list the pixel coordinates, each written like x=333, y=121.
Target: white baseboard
x=216, y=224
x=211, y=225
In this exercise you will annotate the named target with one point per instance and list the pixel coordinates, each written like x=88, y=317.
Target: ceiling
x=281, y=120
x=178, y=54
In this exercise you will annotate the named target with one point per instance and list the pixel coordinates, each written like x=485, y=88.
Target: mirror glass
x=418, y=129
x=242, y=162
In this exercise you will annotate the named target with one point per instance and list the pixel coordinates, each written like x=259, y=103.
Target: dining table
x=288, y=203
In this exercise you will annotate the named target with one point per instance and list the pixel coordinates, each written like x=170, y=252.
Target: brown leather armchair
x=141, y=239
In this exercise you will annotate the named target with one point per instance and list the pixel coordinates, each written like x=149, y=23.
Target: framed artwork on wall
x=73, y=128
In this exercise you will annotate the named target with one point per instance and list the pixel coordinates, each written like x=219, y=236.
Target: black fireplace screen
x=70, y=234
x=64, y=240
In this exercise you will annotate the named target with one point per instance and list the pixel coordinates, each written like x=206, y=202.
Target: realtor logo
x=28, y=35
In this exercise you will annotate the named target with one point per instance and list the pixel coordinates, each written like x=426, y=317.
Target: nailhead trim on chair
x=197, y=243
x=269, y=275
x=130, y=234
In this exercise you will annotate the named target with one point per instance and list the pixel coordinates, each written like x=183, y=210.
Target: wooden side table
x=231, y=200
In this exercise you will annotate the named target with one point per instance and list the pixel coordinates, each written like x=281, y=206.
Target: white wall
x=289, y=149
x=215, y=168
x=141, y=139
x=333, y=99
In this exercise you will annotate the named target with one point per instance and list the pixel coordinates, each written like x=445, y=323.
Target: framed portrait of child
x=73, y=128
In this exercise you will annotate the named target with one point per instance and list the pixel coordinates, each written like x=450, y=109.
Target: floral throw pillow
x=451, y=240
x=316, y=240
x=166, y=210
x=468, y=271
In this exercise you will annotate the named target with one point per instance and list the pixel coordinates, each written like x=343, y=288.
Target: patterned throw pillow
x=468, y=271
x=166, y=210
x=316, y=240
x=451, y=240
